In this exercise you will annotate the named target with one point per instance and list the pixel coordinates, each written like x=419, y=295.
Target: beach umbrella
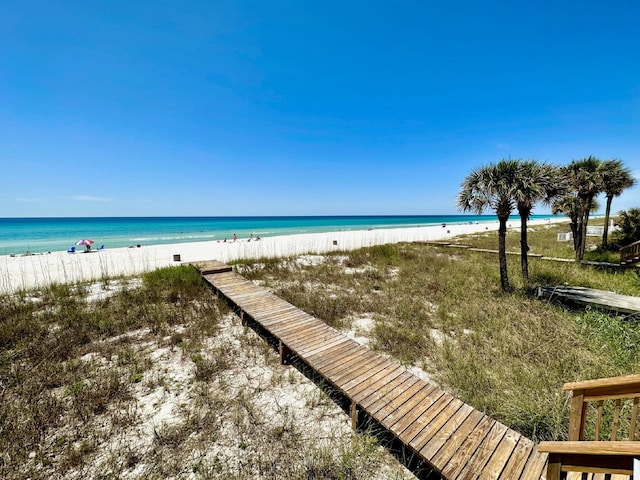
x=84, y=241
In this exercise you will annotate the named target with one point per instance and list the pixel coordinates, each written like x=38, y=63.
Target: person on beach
x=235, y=237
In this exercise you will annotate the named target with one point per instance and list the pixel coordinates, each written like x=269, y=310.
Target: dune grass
x=155, y=378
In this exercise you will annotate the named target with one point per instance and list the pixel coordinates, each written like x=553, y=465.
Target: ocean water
x=36, y=235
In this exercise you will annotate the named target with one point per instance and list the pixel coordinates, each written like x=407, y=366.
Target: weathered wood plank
x=373, y=383
x=442, y=430
x=348, y=379
x=373, y=400
x=468, y=448
x=329, y=342
x=456, y=438
x=484, y=451
x=385, y=411
x=307, y=336
x=433, y=427
x=410, y=427
x=333, y=367
x=589, y=296
x=211, y=267
x=518, y=459
x=285, y=324
x=406, y=413
x=501, y=455
x=536, y=466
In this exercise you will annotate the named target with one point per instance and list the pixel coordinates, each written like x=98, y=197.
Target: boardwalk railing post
x=354, y=415
x=554, y=468
x=284, y=351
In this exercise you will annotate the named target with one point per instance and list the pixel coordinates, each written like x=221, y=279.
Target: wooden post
x=284, y=351
x=577, y=412
x=354, y=415
x=634, y=416
x=243, y=320
x=554, y=467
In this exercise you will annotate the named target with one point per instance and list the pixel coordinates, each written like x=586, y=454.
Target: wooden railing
x=611, y=455
x=630, y=254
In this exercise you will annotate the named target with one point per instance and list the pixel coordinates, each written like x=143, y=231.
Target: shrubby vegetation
x=629, y=227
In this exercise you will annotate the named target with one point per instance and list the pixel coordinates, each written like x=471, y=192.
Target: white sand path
x=26, y=272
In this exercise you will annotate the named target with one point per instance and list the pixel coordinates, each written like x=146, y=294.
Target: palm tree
x=615, y=178
x=536, y=182
x=569, y=205
x=585, y=177
x=629, y=222
x=491, y=186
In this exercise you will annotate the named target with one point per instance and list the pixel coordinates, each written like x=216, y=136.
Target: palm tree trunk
x=585, y=223
x=574, y=230
x=577, y=238
x=605, y=234
x=502, y=254
x=524, y=247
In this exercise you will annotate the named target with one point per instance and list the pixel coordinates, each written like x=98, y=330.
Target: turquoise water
x=20, y=235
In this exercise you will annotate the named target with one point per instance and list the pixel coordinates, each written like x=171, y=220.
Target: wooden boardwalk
x=601, y=299
x=455, y=439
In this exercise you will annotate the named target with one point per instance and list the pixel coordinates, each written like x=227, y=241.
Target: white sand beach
x=34, y=271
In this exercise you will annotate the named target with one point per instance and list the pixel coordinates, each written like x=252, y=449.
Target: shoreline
x=40, y=270
x=45, y=235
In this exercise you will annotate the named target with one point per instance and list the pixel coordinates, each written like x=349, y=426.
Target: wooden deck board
x=453, y=437
x=385, y=414
x=398, y=419
x=414, y=429
x=443, y=429
x=407, y=415
x=536, y=466
x=336, y=356
x=501, y=455
x=313, y=347
x=370, y=398
x=273, y=312
x=485, y=450
x=518, y=459
x=284, y=324
x=430, y=431
x=344, y=358
x=456, y=438
x=344, y=379
x=469, y=446
x=601, y=299
x=306, y=336
x=371, y=384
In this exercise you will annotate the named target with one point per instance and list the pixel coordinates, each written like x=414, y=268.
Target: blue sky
x=303, y=108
